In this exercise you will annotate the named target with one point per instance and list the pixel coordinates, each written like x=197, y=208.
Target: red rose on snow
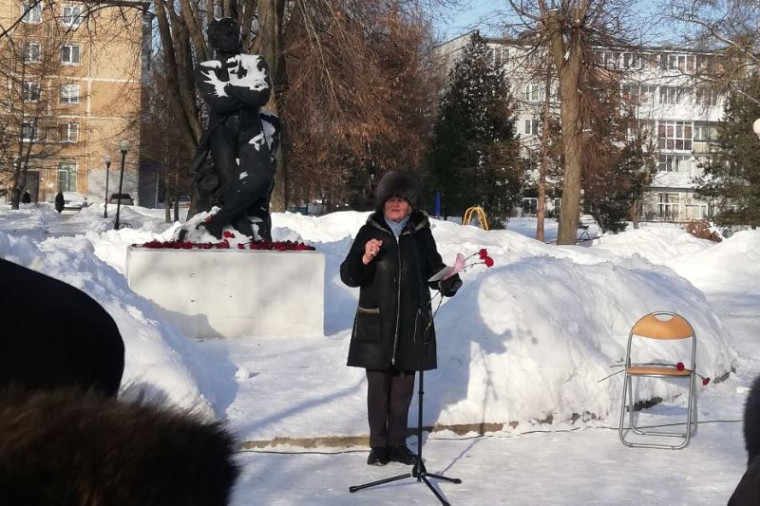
x=680, y=366
x=227, y=234
x=705, y=381
x=483, y=254
x=488, y=261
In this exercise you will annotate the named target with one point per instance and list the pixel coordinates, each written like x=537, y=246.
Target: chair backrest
x=662, y=325
x=653, y=326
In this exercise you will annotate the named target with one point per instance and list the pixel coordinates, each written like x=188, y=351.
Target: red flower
x=705, y=381
x=680, y=366
x=227, y=234
x=488, y=261
x=483, y=254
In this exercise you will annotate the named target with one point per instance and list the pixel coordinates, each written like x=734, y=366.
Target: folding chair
x=661, y=325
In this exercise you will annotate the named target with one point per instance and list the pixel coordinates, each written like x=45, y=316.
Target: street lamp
x=107, y=160
x=123, y=147
x=756, y=127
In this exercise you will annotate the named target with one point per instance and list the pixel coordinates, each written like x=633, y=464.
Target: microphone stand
x=418, y=470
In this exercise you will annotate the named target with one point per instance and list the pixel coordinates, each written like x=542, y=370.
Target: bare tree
x=571, y=31
x=332, y=69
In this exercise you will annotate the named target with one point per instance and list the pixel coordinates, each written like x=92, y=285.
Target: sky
x=473, y=14
x=533, y=344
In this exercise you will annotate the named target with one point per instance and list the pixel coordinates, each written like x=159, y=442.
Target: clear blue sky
x=465, y=18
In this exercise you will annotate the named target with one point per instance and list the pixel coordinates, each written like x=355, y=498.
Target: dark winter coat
x=55, y=335
x=392, y=289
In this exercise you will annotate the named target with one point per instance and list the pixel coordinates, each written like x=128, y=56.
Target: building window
x=682, y=62
x=67, y=176
x=674, y=95
x=668, y=206
x=608, y=59
x=498, y=55
x=633, y=61
x=705, y=97
x=70, y=94
x=71, y=15
x=705, y=133
x=28, y=131
x=31, y=52
x=32, y=12
x=68, y=132
x=532, y=127
x=70, y=54
x=532, y=92
x=673, y=163
x=674, y=135
x=31, y=92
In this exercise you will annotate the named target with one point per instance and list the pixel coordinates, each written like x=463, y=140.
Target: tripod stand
x=418, y=470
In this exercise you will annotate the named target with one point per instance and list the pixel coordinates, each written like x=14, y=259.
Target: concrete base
x=233, y=293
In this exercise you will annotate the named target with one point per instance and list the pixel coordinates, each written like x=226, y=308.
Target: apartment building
x=679, y=117
x=72, y=91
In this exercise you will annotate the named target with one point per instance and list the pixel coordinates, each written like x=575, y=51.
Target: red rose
x=488, y=261
x=680, y=366
x=228, y=234
x=705, y=381
x=483, y=254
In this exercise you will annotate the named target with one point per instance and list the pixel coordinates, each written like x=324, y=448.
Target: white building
x=680, y=117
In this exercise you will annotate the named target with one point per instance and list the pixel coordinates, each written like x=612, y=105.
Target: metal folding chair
x=661, y=325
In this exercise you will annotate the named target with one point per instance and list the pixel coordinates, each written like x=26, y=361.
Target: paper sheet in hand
x=449, y=270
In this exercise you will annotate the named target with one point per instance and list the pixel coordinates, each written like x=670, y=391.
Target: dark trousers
x=389, y=394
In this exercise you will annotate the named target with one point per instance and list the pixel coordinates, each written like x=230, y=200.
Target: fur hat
x=397, y=184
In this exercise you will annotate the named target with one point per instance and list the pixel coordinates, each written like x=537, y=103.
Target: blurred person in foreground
x=393, y=255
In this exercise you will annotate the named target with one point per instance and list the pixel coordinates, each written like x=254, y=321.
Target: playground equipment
x=481, y=215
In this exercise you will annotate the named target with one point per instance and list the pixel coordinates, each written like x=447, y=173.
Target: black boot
x=378, y=457
x=401, y=454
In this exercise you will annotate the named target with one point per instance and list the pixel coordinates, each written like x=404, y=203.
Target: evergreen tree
x=732, y=175
x=474, y=157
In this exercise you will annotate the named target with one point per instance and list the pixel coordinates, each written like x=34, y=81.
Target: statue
x=234, y=165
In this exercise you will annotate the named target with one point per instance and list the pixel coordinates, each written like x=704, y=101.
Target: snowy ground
x=526, y=340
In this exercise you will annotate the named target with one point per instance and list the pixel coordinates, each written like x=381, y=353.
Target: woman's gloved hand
x=449, y=286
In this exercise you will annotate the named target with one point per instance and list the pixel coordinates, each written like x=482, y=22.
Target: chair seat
x=656, y=371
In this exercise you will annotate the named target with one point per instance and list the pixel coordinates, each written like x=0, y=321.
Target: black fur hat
x=397, y=184
x=224, y=36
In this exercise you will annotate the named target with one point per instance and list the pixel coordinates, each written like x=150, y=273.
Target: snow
x=524, y=347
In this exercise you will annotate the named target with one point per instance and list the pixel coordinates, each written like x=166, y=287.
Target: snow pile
x=158, y=357
x=730, y=266
x=525, y=341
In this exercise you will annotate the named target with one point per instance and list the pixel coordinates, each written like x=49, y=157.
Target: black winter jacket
x=392, y=289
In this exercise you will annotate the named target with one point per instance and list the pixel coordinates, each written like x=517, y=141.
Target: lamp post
x=123, y=147
x=107, y=160
x=756, y=127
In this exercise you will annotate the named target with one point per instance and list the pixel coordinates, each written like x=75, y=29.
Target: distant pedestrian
x=59, y=202
x=26, y=198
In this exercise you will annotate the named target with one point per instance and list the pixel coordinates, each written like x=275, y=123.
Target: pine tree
x=474, y=158
x=732, y=175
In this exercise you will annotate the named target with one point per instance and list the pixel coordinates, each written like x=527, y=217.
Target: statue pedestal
x=233, y=293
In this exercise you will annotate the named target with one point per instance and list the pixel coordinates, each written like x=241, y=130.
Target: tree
x=732, y=174
x=474, y=158
x=336, y=89
x=571, y=31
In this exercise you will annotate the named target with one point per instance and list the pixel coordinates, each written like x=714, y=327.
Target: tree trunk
x=568, y=60
x=544, y=163
x=269, y=45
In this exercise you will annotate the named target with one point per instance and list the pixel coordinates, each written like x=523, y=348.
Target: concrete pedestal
x=233, y=293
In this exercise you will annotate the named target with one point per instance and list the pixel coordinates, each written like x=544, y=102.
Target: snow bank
x=158, y=357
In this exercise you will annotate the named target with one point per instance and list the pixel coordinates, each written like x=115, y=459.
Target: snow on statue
x=235, y=181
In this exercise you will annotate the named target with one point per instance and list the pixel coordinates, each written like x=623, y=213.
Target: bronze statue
x=241, y=140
